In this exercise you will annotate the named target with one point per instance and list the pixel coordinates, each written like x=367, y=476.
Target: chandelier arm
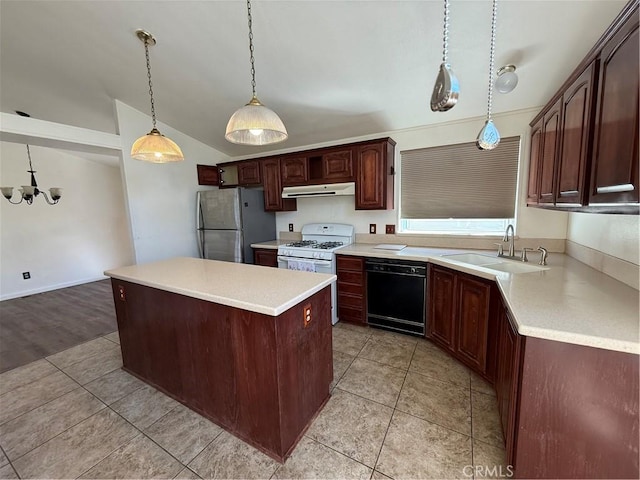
x=46, y=197
x=15, y=203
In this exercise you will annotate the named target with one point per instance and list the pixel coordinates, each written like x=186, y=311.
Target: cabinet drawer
x=355, y=301
x=347, y=314
x=350, y=288
x=355, y=264
x=351, y=277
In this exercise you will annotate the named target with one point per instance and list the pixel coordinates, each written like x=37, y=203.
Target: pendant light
x=507, y=79
x=446, y=89
x=154, y=147
x=489, y=137
x=254, y=124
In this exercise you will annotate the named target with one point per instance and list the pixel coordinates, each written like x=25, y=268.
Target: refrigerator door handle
x=200, y=242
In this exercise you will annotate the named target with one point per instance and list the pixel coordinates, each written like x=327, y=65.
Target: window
x=459, y=189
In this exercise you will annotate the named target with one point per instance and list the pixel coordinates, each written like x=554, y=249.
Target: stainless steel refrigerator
x=229, y=220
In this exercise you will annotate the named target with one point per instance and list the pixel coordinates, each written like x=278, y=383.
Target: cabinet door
x=265, y=257
x=533, y=191
x=208, y=175
x=294, y=171
x=576, y=134
x=249, y=173
x=273, y=201
x=440, y=322
x=472, y=311
x=374, y=176
x=550, y=141
x=337, y=166
x=615, y=152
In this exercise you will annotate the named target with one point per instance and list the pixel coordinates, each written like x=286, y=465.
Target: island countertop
x=266, y=290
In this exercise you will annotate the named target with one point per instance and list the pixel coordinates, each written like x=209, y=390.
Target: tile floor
x=400, y=408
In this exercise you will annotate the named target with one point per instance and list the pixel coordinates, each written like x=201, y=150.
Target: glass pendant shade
x=156, y=148
x=255, y=124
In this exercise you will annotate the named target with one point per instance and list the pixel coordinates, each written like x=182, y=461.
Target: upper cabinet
x=249, y=173
x=374, y=175
x=208, y=175
x=295, y=170
x=584, y=143
x=272, y=181
x=337, y=165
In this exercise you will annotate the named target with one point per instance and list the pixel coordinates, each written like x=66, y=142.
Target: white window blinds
x=459, y=181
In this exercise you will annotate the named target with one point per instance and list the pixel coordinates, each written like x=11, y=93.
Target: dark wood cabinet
x=374, y=175
x=576, y=133
x=459, y=315
x=273, y=201
x=208, y=175
x=294, y=170
x=584, y=143
x=266, y=257
x=615, y=147
x=249, y=173
x=351, y=289
x=337, y=165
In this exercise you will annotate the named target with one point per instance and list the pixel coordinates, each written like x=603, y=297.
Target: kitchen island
x=248, y=347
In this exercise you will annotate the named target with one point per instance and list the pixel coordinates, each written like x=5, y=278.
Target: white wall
x=66, y=244
x=614, y=235
x=531, y=222
x=161, y=197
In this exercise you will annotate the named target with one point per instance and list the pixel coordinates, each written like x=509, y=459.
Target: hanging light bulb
x=154, y=147
x=255, y=124
x=507, y=79
x=489, y=137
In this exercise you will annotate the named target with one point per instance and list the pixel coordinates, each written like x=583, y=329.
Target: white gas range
x=315, y=252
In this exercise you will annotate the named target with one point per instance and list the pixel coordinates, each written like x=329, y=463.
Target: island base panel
x=260, y=377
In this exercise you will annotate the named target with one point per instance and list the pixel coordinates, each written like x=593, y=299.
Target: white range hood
x=325, y=190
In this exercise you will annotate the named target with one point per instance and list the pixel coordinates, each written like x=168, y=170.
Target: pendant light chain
x=492, y=57
x=445, y=36
x=253, y=68
x=153, y=106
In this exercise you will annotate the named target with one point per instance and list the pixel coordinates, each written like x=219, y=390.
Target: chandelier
x=29, y=192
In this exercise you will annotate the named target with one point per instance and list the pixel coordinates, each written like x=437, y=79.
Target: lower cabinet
x=459, y=309
x=351, y=289
x=265, y=257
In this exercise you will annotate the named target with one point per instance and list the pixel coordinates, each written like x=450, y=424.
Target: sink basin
x=472, y=258
x=513, y=267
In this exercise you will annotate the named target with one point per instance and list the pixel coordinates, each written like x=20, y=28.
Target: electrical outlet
x=372, y=228
x=306, y=313
x=390, y=229
x=26, y=275
x=291, y=227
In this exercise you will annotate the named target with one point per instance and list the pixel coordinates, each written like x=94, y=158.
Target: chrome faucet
x=543, y=255
x=512, y=248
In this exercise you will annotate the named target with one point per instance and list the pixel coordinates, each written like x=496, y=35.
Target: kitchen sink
x=495, y=263
x=473, y=258
x=514, y=267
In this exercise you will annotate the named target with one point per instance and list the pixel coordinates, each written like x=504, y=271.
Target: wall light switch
x=390, y=229
x=372, y=228
x=26, y=275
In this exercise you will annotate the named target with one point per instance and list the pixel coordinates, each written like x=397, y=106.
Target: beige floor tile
x=486, y=420
x=114, y=385
x=432, y=361
x=341, y=362
x=144, y=406
x=394, y=337
x=352, y=425
x=364, y=330
x=140, y=458
x=415, y=448
x=95, y=366
x=34, y=428
x=444, y=403
x=3, y=459
x=492, y=460
x=8, y=473
x=348, y=341
x=27, y=397
x=113, y=337
x=390, y=350
x=378, y=476
x=479, y=384
x=230, y=457
x=26, y=374
x=78, y=449
x=186, y=474
x=183, y=433
x=311, y=459
x=373, y=380
x=81, y=352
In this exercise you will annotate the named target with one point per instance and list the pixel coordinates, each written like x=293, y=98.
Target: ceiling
x=330, y=69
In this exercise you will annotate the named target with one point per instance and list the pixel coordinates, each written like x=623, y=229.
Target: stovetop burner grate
x=327, y=245
x=302, y=243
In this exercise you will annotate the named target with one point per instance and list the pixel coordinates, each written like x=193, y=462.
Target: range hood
x=325, y=190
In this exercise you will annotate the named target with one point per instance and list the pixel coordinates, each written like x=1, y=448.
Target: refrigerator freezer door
x=257, y=225
x=219, y=209
x=224, y=245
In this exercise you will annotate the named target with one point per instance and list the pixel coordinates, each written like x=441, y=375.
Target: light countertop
x=569, y=302
x=254, y=288
x=271, y=245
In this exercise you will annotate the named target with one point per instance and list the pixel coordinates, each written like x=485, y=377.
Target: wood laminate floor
x=40, y=325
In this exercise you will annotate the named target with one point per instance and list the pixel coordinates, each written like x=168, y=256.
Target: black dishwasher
x=396, y=292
